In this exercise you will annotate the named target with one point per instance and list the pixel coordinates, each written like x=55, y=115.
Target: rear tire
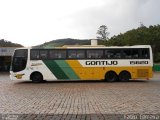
x=111, y=77
x=124, y=76
x=36, y=77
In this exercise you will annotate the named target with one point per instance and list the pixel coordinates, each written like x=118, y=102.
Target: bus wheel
x=36, y=77
x=124, y=76
x=111, y=76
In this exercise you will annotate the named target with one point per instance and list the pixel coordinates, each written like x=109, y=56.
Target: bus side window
x=76, y=54
x=52, y=54
x=62, y=54
x=113, y=54
x=126, y=54
x=118, y=55
x=145, y=53
x=57, y=54
x=43, y=54
x=135, y=54
x=108, y=54
x=94, y=54
x=80, y=53
x=72, y=54
x=35, y=54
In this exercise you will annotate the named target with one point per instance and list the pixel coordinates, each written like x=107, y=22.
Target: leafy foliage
x=140, y=36
x=102, y=33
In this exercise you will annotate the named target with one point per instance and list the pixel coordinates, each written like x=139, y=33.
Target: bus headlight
x=19, y=76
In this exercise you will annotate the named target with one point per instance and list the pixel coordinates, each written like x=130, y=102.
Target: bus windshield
x=19, y=60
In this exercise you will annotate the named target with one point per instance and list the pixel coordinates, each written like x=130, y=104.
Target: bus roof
x=135, y=46
x=89, y=47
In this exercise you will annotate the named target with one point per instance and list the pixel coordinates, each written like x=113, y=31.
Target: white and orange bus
x=82, y=63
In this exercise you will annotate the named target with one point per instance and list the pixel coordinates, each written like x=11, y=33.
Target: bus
x=111, y=64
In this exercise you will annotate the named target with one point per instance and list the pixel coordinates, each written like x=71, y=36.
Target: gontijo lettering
x=101, y=62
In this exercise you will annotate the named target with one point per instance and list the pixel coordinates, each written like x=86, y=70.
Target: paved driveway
x=79, y=100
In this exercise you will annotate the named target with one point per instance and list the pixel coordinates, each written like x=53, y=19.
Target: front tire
x=111, y=77
x=36, y=77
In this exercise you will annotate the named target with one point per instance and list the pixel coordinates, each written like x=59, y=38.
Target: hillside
x=5, y=43
x=67, y=41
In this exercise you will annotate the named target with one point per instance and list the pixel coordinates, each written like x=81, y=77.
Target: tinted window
x=19, y=60
x=122, y=54
x=35, y=54
x=113, y=54
x=57, y=54
x=135, y=53
x=43, y=54
x=94, y=54
x=127, y=53
x=131, y=53
x=20, y=53
x=145, y=53
x=76, y=54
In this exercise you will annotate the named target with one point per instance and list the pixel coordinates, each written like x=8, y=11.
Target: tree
x=102, y=33
x=142, y=25
x=5, y=43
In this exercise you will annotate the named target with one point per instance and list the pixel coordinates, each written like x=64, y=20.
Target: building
x=5, y=58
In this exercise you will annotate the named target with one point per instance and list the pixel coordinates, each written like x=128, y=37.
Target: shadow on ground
x=82, y=81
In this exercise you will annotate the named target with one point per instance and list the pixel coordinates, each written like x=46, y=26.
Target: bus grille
x=142, y=73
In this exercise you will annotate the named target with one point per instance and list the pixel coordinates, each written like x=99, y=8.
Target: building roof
x=7, y=51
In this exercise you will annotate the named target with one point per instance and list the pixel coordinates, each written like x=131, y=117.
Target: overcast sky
x=33, y=22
